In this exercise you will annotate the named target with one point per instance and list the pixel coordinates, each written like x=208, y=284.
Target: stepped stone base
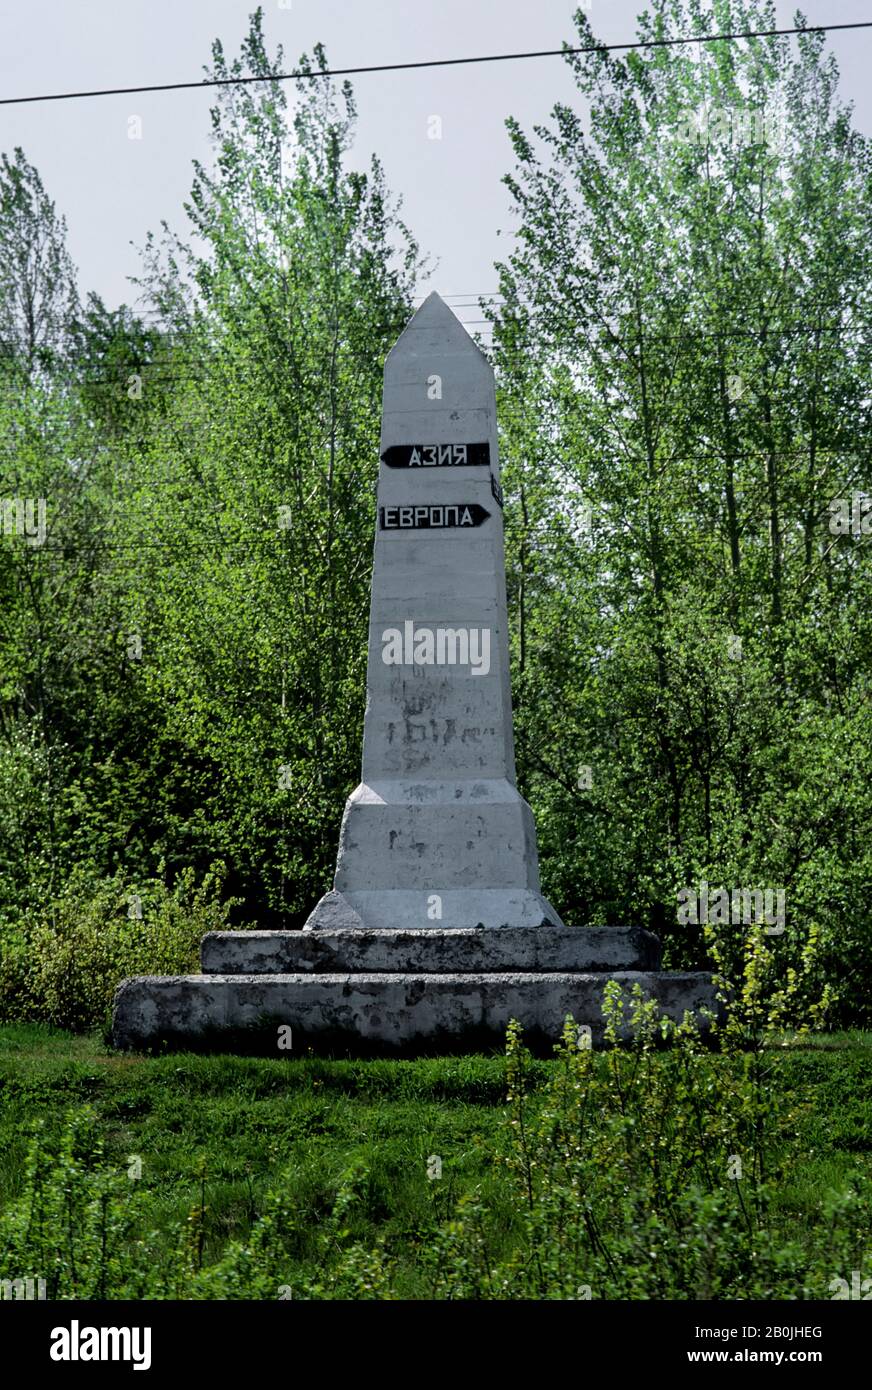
x=380, y=1012
x=425, y=951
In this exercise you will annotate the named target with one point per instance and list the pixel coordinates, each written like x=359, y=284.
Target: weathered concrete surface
x=403, y=909
x=378, y=1012
x=437, y=814
x=548, y=950
x=436, y=934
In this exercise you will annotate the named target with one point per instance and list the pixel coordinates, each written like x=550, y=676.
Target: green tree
x=249, y=501
x=183, y=659
x=38, y=297
x=684, y=348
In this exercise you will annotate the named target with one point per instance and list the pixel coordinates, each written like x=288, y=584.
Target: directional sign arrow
x=437, y=456
x=430, y=517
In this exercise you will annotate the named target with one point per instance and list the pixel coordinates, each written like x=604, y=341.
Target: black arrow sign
x=431, y=518
x=437, y=456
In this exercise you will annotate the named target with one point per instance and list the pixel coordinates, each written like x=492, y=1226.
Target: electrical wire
x=565, y=52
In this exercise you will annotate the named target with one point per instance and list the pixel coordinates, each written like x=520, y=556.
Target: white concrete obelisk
x=435, y=935
x=437, y=835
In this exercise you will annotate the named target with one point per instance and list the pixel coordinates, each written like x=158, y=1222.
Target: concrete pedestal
x=476, y=951
x=380, y=1013
x=398, y=992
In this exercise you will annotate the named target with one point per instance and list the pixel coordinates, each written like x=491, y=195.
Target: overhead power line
x=565, y=52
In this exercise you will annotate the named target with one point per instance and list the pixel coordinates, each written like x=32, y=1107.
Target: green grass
x=253, y=1119
x=309, y=1119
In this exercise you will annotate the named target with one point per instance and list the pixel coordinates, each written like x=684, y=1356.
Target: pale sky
x=112, y=190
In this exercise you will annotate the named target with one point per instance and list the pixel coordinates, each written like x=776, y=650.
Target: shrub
x=647, y=1173
x=65, y=966
x=77, y=1221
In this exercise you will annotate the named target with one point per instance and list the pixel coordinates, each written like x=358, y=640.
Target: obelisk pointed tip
x=433, y=310
x=435, y=301
x=434, y=316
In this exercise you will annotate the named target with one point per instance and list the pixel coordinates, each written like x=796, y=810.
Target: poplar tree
x=684, y=351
